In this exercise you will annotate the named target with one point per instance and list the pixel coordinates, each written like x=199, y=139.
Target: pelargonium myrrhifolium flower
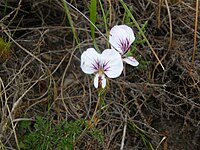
x=108, y=63
x=121, y=37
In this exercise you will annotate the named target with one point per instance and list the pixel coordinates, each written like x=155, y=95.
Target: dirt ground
x=41, y=73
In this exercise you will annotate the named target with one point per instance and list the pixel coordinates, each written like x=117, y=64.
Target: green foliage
x=43, y=134
x=143, y=63
x=98, y=135
x=138, y=40
x=4, y=48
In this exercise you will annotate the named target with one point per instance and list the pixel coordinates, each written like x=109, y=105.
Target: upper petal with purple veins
x=121, y=37
x=124, y=44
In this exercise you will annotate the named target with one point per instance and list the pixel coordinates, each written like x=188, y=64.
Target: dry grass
x=42, y=76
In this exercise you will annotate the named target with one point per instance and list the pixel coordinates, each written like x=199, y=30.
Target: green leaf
x=93, y=15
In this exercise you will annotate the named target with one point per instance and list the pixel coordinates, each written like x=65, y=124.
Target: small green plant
x=98, y=135
x=4, y=48
x=44, y=134
x=138, y=41
x=146, y=139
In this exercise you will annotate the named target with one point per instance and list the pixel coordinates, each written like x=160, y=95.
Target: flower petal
x=103, y=81
x=96, y=81
x=131, y=61
x=99, y=79
x=88, y=60
x=121, y=37
x=112, y=63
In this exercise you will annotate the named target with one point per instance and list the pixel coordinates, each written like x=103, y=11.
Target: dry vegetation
x=41, y=75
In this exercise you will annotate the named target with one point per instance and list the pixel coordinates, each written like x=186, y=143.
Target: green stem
x=97, y=105
x=101, y=94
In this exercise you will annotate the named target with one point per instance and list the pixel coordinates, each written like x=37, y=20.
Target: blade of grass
x=142, y=33
x=110, y=12
x=70, y=21
x=87, y=19
x=104, y=18
x=93, y=17
x=5, y=7
x=143, y=134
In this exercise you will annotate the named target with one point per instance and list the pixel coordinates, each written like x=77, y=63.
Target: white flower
x=109, y=64
x=121, y=37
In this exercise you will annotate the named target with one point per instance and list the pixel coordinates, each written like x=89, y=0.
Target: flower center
x=100, y=70
x=101, y=66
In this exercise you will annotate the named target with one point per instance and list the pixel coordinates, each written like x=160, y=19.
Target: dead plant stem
x=195, y=35
x=170, y=24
